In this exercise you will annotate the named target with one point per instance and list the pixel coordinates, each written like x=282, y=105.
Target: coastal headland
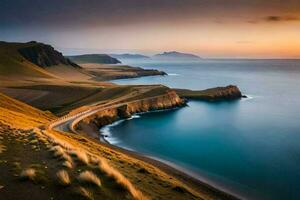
x=53, y=106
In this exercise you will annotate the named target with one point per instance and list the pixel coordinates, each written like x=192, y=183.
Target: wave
x=105, y=131
x=134, y=117
x=249, y=97
x=173, y=74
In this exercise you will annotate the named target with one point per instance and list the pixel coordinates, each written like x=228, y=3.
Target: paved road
x=68, y=122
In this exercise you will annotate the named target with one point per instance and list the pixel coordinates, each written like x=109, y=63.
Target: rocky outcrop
x=126, y=110
x=230, y=92
x=44, y=55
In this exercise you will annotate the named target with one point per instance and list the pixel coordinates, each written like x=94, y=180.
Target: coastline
x=186, y=176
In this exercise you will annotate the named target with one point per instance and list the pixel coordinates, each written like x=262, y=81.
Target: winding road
x=68, y=122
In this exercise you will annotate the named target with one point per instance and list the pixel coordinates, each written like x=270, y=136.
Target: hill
x=129, y=56
x=35, y=61
x=18, y=114
x=103, y=72
x=174, y=55
x=40, y=163
x=94, y=58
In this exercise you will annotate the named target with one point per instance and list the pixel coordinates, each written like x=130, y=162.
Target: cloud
x=277, y=18
x=274, y=19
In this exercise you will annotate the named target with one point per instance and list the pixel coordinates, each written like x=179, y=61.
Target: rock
x=44, y=55
x=230, y=92
x=107, y=116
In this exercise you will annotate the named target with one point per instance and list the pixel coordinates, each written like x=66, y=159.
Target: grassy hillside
x=104, y=72
x=36, y=61
x=13, y=64
x=18, y=114
x=44, y=164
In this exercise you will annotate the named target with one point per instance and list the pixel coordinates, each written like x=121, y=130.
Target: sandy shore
x=195, y=183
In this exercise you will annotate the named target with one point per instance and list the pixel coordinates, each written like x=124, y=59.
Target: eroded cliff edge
x=230, y=92
x=125, y=110
x=170, y=98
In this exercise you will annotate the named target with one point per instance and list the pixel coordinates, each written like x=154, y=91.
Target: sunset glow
x=231, y=28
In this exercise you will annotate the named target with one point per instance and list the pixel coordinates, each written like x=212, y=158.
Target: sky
x=208, y=28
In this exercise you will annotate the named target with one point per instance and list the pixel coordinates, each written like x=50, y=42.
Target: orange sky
x=209, y=28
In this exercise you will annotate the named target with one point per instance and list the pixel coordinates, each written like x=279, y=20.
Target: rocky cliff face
x=228, y=92
x=214, y=94
x=44, y=55
x=107, y=116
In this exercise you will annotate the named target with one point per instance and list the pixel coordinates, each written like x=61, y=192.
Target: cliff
x=44, y=55
x=126, y=110
x=230, y=92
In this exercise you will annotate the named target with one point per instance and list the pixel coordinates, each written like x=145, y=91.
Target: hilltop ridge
x=44, y=55
x=94, y=58
x=41, y=62
x=37, y=61
x=174, y=55
x=129, y=56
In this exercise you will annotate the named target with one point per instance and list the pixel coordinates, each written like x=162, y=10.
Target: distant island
x=94, y=58
x=129, y=56
x=169, y=55
x=174, y=55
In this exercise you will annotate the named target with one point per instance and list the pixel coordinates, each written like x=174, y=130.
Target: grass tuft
x=85, y=193
x=67, y=164
x=63, y=178
x=123, y=181
x=58, y=151
x=28, y=174
x=81, y=156
x=89, y=177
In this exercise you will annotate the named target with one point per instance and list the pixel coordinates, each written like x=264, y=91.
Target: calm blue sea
x=250, y=147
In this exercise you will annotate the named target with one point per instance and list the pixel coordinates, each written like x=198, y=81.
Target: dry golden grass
x=88, y=152
x=58, y=151
x=67, y=164
x=81, y=156
x=89, y=177
x=110, y=171
x=20, y=115
x=59, y=142
x=85, y=193
x=63, y=178
x=28, y=174
x=2, y=148
x=94, y=160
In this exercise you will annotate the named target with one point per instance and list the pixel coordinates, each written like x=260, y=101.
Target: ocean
x=249, y=147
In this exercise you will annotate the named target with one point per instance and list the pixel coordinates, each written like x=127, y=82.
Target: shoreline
x=180, y=173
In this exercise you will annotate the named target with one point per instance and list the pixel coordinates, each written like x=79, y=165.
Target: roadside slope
x=122, y=176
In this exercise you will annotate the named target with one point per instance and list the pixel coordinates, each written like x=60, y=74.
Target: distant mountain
x=94, y=58
x=174, y=55
x=129, y=56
